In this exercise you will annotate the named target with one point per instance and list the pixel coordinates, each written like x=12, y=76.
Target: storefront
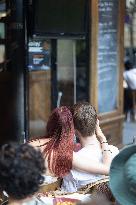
x=73, y=52
x=58, y=58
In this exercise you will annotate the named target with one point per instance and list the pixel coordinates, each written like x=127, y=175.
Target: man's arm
x=92, y=166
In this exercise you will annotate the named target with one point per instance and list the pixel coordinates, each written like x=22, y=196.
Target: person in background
x=123, y=176
x=95, y=149
x=58, y=144
x=21, y=169
x=129, y=85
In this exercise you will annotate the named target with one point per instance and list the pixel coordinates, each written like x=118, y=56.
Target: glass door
x=66, y=72
x=39, y=99
x=72, y=71
x=57, y=76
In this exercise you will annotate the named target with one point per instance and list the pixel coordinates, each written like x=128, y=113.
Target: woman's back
x=58, y=144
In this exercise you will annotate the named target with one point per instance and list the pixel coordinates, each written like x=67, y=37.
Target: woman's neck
x=89, y=140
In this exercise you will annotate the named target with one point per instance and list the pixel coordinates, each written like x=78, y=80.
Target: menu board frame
x=108, y=76
x=94, y=16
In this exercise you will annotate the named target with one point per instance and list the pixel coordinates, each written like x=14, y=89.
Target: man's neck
x=89, y=140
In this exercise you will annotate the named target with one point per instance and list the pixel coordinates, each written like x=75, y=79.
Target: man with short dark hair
x=94, y=149
x=84, y=118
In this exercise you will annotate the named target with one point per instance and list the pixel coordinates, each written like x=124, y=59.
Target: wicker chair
x=100, y=187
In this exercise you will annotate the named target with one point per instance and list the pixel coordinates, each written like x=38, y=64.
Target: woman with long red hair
x=58, y=144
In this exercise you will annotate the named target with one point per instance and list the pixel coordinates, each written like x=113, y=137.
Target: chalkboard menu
x=108, y=55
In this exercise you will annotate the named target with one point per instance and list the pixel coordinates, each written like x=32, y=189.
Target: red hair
x=59, y=149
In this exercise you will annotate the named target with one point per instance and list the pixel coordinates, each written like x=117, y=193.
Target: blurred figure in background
x=129, y=89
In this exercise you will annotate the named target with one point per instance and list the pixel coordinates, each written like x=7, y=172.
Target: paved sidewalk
x=129, y=131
